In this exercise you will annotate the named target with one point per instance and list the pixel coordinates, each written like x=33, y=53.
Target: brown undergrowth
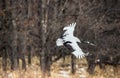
x=61, y=70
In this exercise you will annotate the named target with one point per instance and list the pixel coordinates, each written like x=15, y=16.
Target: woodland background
x=30, y=27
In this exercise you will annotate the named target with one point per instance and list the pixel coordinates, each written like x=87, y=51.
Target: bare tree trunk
x=43, y=23
x=44, y=20
x=73, y=64
x=23, y=32
x=5, y=33
x=14, y=63
x=4, y=59
x=29, y=48
x=3, y=48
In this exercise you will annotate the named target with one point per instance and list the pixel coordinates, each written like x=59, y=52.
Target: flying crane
x=68, y=38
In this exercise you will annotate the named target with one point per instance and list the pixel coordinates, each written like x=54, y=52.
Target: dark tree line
x=31, y=27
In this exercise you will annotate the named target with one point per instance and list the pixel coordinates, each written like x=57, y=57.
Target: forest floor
x=61, y=70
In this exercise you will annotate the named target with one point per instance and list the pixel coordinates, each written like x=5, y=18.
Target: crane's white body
x=68, y=35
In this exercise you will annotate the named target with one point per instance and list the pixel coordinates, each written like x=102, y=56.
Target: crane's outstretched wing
x=77, y=50
x=78, y=54
x=69, y=30
x=70, y=26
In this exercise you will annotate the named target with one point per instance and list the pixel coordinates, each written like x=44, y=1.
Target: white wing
x=78, y=54
x=77, y=50
x=69, y=29
x=70, y=26
x=68, y=34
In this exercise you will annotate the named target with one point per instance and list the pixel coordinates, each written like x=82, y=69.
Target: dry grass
x=33, y=71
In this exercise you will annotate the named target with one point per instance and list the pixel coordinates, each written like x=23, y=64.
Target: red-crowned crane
x=68, y=39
